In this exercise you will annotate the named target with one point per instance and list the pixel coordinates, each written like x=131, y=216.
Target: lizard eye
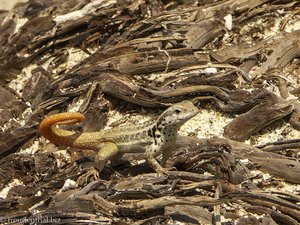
x=177, y=111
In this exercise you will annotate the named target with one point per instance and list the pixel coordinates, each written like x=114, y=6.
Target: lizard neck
x=162, y=133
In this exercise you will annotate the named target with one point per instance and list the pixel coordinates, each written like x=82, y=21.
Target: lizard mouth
x=195, y=112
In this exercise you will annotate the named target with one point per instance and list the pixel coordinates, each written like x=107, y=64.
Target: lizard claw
x=165, y=171
x=173, y=168
x=90, y=174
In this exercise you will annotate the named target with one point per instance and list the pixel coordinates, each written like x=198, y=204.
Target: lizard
x=152, y=138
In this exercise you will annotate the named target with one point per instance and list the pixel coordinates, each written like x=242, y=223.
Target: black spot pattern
x=153, y=130
x=151, y=133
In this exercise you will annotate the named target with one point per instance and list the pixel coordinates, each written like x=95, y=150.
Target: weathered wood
x=241, y=128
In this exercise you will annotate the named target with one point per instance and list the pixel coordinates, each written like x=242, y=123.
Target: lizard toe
x=91, y=174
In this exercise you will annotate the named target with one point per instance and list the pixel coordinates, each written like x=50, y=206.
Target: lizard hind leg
x=106, y=152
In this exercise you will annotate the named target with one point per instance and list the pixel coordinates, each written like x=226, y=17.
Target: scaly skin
x=158, y=137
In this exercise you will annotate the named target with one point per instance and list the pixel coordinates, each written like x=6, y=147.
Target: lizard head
x=176, y=115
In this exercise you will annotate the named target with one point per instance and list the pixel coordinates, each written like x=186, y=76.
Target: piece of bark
x=34, y=87
x=270, y=165
x=245, y=151
x=280, y=145
x=10, y=107
x=242, y=127
x=285, y=51
x=230, y=53
x=295, y=117
x=189, y=214
x=203, y=32
x=11, y=141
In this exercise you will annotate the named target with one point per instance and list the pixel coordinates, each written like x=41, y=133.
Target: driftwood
x=136, y=57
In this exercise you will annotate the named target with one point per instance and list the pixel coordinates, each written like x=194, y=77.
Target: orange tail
x=57, y=135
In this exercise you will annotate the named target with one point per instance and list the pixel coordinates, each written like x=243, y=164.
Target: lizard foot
x=86, y=177
x=165, y=171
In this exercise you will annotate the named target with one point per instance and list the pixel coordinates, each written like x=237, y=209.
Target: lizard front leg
x=106, y=152
x=151, y=152
x=166, y=153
